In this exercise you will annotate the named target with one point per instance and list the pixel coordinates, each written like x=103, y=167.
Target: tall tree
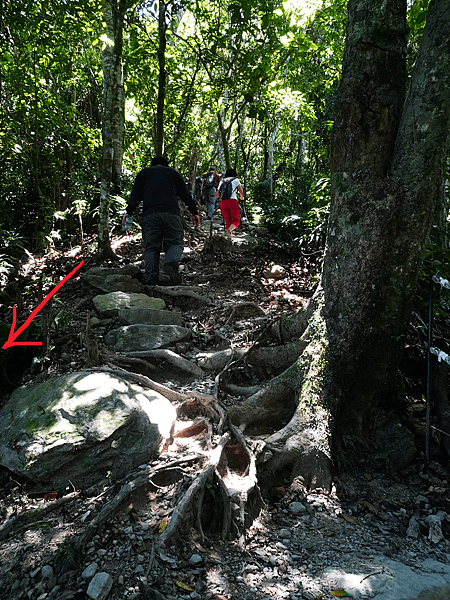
x=161, y=53
x=388, y=160
x=113, y=130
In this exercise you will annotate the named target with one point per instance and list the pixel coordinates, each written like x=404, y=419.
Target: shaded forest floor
x=285, y=553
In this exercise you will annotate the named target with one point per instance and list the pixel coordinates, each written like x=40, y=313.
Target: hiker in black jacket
x=158, y=187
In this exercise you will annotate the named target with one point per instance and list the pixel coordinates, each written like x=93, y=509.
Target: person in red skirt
x=229, y=187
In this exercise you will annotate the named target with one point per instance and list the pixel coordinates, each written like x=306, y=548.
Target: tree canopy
x=244, y=85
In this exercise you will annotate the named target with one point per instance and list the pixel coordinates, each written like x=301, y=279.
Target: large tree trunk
x=387, y=166
x=113, y=118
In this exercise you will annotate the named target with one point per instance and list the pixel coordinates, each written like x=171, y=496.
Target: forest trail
x=304, y=545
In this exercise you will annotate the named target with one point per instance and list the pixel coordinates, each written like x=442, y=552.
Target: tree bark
x=162, y=42
x=387, y=163
x=224, y=133
x=113, y=118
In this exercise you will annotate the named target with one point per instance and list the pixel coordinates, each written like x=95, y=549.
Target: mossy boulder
x=81, y=426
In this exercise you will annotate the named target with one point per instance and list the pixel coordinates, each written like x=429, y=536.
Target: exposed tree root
x=295, y=451
x=28, y=517
x=267, y=410
x=143, y=381
x=171, y=357
x=301, y=446
x=292, y=326
x=224, y=496
x=148, y=480
x=134, y=364
x=201, y=404
x=266, y=361
x=237, y=390
x=243, y=310
x=180, y=292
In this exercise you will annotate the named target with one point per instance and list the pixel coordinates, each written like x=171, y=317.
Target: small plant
x=61, y=321
x=71, y=553
x=211, y=490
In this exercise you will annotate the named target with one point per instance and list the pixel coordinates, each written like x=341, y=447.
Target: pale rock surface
x=108, y=305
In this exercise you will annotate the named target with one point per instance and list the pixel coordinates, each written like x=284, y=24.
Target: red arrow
x=14, y=334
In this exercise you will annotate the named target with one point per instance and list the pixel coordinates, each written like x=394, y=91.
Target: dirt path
x=300, y=536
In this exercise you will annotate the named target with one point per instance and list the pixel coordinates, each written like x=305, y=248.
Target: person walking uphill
x=229, y=206
x=159, y=187
x=210, y=182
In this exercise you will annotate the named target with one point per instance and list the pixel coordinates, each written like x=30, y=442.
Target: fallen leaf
x=183, y=586
x=163, y=525
x=350, y=519
x=340, y=593
x=373, y=509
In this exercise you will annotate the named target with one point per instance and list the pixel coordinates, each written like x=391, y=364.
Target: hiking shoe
x=174, y=276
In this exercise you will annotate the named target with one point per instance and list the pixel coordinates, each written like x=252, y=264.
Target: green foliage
x=416, y=19
x=264, y=68
x=51, y=112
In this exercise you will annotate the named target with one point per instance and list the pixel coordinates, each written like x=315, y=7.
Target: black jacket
x=159, y=188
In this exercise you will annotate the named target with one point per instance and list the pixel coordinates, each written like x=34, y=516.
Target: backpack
x=226, y=189
x=210, y=180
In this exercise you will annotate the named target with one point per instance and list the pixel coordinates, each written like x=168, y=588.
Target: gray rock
x=116, y=283
x=131, y=270
x=149, y=316
x=90, y=571
x=413, y=530
x=47, y=571
x=247, y=244
x=435, y=534
x=114, y=279
x=275, y=272
x=257, y=230
x=81, y=425
x=133, y=338
x=297, y=508
x=285, y=534
x=195, y=560
x=108, y=305
x=435, y=594
x=100, y=586
x=392, y=580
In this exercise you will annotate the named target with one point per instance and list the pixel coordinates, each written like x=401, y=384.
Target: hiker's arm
x=137, y=194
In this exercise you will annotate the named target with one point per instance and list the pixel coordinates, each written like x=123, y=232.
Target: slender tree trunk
x=113, y=118
x=162, y=43
x=272, y=139
x=224, y=133
x=193, y=168
x=266, y=152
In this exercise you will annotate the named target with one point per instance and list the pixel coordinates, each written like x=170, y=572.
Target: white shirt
x=235, y=183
